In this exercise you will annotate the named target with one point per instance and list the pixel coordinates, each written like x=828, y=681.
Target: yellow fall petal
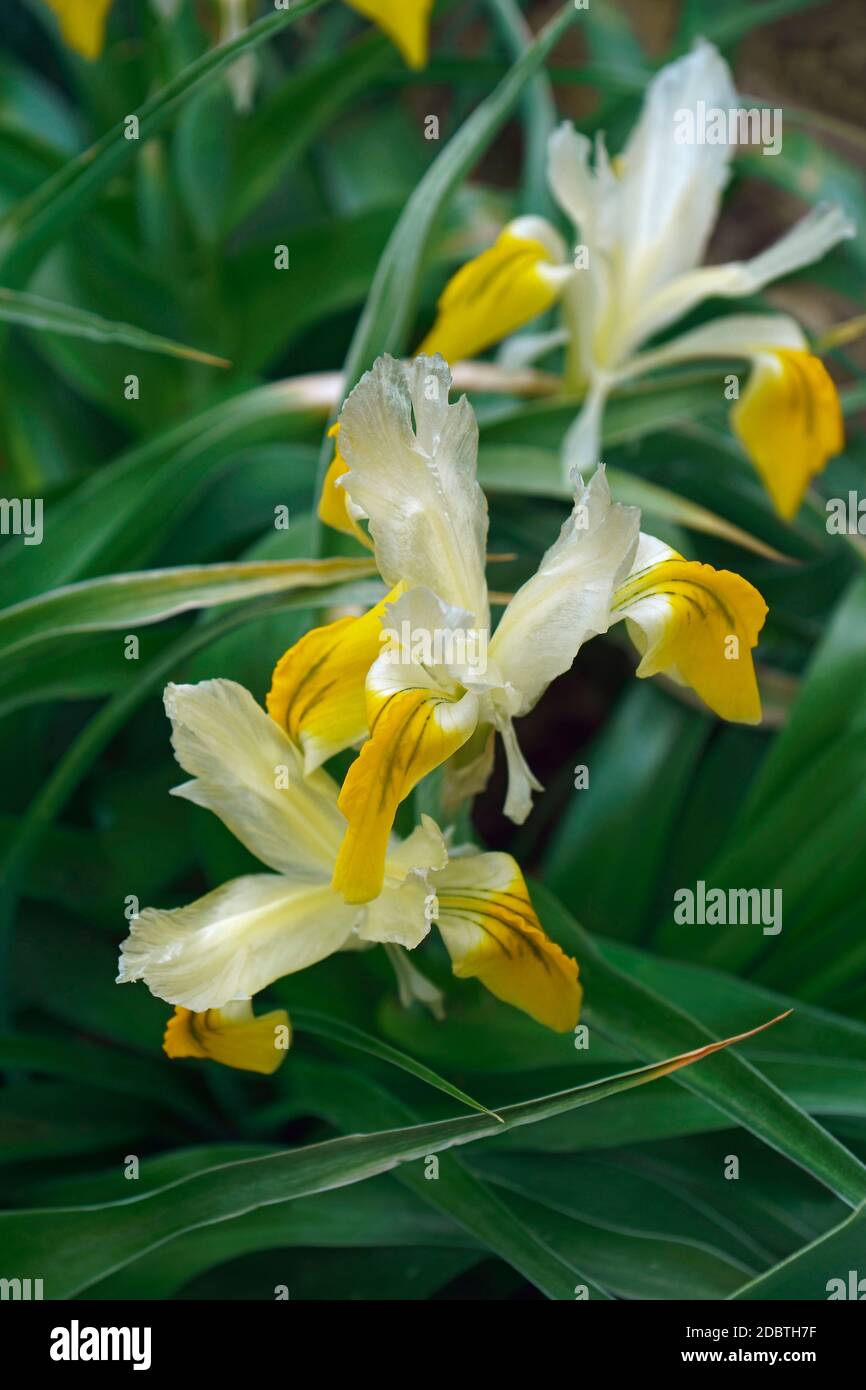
x=698, y=625
x=412, y=731
x=406, y=23
x=232, y=1036
x=789, y=421
x=82, y=24
x=335, y=503
x=492, y=933
x=317, y=690
x=516, y=279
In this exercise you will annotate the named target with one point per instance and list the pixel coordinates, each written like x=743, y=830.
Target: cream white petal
x=733, y=335
x=811, y=238
x=400, y=916
x=412, y=469
x=424, y=849
x=591, y=196
x=568, y=600
x=234, y=941
x=670, y=191
x=581, y=446
x=570, y=174
x=522, y=781
x=524, y=349
x=414, y=987
x=249, y=773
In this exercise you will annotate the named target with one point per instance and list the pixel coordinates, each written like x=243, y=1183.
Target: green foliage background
x=172, y=237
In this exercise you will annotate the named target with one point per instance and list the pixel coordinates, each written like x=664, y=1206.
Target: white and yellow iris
x=641, y=226
x=408, y=463
x=210, y=958
x=405, y=22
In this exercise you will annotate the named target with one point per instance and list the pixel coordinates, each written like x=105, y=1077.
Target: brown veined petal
x=412, y=731
x=697, y=625
x=519, y=277
x=492, y=933
x=335, y=505
x=406, y=23
x=232, y=1036
x=789, y=421
x=317, y=690
x=82, y=24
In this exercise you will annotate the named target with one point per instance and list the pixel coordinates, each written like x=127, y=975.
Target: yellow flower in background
x=423, y=676
x=405, y=22
x=82, y=24
x=641, y=228
x=521, y=276
x=210, y=958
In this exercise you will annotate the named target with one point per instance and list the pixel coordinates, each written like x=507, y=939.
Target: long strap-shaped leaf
x=124, y=600
x=91, y=528
x=388, y=313
x=80, y=1245
x=637, y=1018
x=49, y=316
x=319, y=1088
x=30, y=227
x=821, y=1270
x=335, y=1030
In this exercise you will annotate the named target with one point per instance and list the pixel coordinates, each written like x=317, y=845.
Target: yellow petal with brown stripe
x=790, y=423
x=517, y=279
x=697, y=625
x=82, y=24
x=335, y=506
x=492, y=933
x=412, y=731
x=317, y=690
x=406, y=22
x=232, y=1036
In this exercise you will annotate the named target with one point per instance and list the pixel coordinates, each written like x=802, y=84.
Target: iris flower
x=407, y=464
x=642, y=224
x=406, y=23
x=209, y=959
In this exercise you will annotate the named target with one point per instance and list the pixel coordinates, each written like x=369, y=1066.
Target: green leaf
x=136, y=600
x=632, y=412
x=130, y=503
x=630, y=1263
x=738, y=18
x=31, y=226
x=810, y=790
x=387, y=318
x=81, y=755
x=104, y=1069
x=608, y=848
x=539, y=112
x=80, y=1246
x=310, y=1021
x=538, y=473
x=636, y=1018
x=41, y=1119
x=44, y=315
x=808, y=1274
x=305, y=103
